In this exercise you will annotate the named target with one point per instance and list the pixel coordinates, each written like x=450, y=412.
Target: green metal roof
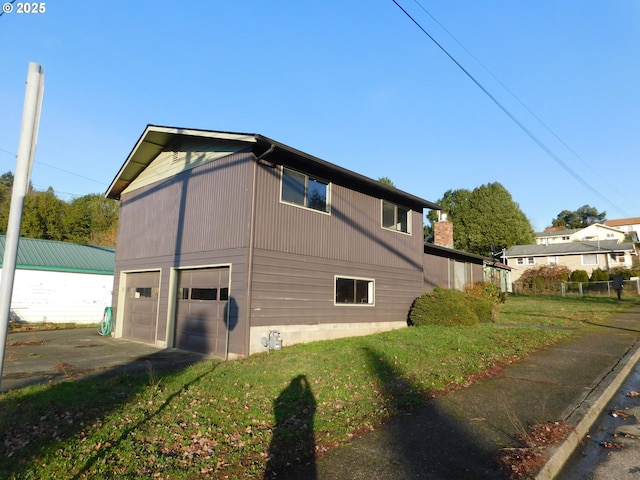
x=35, y=254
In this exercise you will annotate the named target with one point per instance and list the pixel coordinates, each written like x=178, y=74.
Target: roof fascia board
x=574, y=252
x=356, y=177
x=141, y=159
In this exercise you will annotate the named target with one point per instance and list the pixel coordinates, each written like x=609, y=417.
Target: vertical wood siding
x=352, y=231
x=201, y=216
x=436, y=271
x=198, y=217
x=295, y=289
x=202, y=209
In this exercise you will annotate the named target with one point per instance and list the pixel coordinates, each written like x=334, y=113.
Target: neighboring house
x=630, y=226
x=591, y=255
x=60, y=282
x=594, y=232
x=226, y=237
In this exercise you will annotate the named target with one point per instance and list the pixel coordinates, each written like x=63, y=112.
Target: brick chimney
x=443, y=232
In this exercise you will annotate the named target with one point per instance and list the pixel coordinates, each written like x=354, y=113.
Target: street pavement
x=611, y=449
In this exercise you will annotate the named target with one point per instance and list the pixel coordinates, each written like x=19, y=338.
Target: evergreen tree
x=386, y=181
x=580, y=218
x=92, y=219
x=43, y=216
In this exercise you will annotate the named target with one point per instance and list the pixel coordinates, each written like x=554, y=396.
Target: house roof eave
x=156, y=138
x=348, y=177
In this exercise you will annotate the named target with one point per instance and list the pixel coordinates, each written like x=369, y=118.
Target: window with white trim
x=590, y=259
x=552, y=260
x=531, y=261
x=520, y=261
x=396, y=217
x=304, y=191
x=617, y=257
x=354, y=291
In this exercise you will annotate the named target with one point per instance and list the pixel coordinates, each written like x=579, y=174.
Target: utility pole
x=21, y=179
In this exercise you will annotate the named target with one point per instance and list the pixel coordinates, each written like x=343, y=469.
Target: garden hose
x=104, y=327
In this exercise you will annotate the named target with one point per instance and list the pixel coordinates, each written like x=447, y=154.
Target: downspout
x=252, y=227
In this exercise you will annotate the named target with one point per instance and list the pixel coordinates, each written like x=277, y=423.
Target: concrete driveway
x=41, y=357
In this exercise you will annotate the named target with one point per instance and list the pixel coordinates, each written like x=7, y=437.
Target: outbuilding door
x=203, y=297
x=141, y=306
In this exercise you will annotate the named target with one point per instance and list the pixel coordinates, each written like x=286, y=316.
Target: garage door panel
x=141, y=306
x=200, y=311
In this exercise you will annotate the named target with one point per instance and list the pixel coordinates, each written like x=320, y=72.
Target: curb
x=584, y=416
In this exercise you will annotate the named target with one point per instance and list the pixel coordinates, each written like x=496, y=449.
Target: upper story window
x=304, y=191
x=395, y=217
x=531, y=261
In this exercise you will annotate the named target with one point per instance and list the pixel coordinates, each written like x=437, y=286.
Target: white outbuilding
x=60, y=282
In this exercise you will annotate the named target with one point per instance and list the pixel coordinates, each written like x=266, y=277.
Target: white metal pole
x=21, y=179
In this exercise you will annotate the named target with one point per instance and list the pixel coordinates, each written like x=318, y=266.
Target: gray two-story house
x=225, y=236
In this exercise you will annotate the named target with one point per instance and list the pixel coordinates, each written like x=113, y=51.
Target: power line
x=5, y=3
x=513, y=118
x=575, y=154
x=58, y=168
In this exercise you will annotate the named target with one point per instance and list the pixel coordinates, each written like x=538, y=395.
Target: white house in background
x=60, y=282
x=595, y=232
x=577, y=255
x=630, y=226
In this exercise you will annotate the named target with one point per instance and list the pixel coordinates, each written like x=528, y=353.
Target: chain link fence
x=631, y=288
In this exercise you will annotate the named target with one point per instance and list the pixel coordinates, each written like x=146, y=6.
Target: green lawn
x=239, y=419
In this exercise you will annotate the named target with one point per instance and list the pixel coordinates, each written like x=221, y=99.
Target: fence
x=579, y=289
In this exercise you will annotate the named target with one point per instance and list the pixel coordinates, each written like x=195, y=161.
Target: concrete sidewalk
x=458, y=435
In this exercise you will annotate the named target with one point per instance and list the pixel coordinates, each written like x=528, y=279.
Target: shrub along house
x=225, y=237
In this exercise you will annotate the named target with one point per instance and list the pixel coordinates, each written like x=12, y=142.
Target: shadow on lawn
x=420, y=441
x=34, y=423
x=293, y=439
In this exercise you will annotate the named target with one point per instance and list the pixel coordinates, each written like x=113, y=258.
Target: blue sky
x=355, y=83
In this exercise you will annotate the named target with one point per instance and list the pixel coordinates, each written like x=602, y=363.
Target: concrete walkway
x=458, y=435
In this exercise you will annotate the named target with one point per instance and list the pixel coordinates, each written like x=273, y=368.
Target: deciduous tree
x=485, y=220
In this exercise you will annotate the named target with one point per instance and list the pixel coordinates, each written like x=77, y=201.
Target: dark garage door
x=141, y=307
x=203, y=296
